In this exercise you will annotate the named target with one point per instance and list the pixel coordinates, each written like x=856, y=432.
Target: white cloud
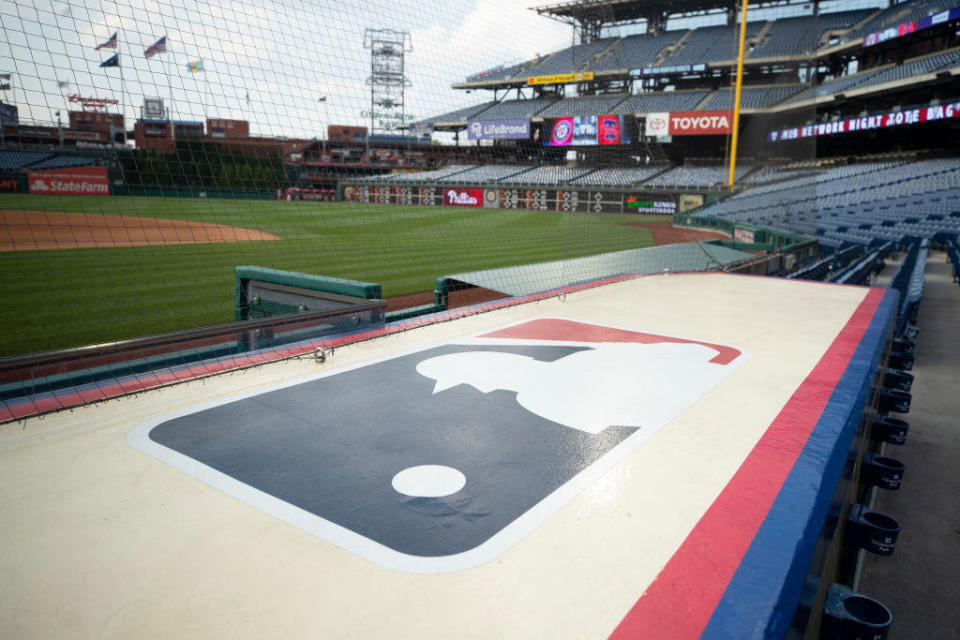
x=285, y=55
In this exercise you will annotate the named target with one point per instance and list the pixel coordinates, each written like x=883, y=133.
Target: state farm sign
x=689, y=123
x=463, y=197
x=77, y=181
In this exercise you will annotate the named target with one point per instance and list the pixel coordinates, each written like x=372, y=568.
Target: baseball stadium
x=480, y=319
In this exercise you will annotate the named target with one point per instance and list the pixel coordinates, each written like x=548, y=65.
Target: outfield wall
x=569, y=199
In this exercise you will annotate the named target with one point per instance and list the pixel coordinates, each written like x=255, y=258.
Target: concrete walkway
x=919, y=582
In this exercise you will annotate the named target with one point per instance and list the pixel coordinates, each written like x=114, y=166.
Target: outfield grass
x=65, y=298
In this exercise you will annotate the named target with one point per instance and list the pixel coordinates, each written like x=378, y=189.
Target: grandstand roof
x=620, y=11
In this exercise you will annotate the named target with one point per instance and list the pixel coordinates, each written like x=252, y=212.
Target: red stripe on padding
x=570, y=331
x=680, y=601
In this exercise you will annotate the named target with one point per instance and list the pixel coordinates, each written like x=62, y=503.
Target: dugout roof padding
x=642, y=458
x=675, y=258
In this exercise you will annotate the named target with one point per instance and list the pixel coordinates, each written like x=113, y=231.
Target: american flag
x=109, y=44
x=160, y=46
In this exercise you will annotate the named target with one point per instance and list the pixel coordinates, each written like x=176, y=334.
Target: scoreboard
x=544, y=199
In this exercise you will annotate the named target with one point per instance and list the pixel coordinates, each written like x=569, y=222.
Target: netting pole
x=173, y=128
x=123, y=105
x=736, y=101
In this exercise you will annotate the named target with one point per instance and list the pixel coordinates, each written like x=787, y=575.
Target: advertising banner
x=153, y=109
x=77, y=181
x=561, y=134
x=664, y=71
x=690, y=201
x=585, y=131
x=92, y=103
x=743, y=235
x=421, y=128
x=563, y=78
x=658, y=124
x=906, y=117
x=610, y=130
x=463, y=197
x=498, y=129
x=906, y=28
x=480, y=75
x=9, y=114
x=643, y=204
x=700, y=123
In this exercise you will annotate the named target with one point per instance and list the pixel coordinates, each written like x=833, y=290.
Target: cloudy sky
x=270, y=61
x=284, y=55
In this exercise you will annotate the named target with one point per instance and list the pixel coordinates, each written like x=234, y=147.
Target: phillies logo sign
x=463, y=197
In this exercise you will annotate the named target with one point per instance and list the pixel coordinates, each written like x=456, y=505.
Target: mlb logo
x=441, y=459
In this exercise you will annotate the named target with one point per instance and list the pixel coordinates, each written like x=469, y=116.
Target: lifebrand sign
x=518, y=129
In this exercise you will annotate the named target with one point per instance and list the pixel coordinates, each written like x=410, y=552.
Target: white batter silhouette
x=609, y=384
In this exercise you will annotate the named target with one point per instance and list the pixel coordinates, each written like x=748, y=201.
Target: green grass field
x=73, y=297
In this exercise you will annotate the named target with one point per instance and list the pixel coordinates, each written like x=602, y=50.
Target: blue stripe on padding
x=763, y=594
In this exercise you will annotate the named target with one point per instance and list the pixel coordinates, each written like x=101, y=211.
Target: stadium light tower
x=388, y=80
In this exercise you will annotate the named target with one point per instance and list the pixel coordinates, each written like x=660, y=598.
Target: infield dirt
x=38, y=230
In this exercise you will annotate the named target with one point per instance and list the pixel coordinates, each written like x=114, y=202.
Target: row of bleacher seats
x=818, y=270
x=688, y=100
x=655, y=102
x=829, y=266
x=15, y=160
x=863, y=269
x=710, y=44
x=784, y=37
x=584, y=106
x=63, y=162
x=900, y=13
x=570, y=59
x=789, y=37
x=703, y=177
x=883, y=75
x=617, y=176
x=634, y=52
x=30, y=160
x=953, y=254
x=862, y=203
x=908, y=281
x=547, y=174
x=767, y=175
x=752, y=97
x=649, y=176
